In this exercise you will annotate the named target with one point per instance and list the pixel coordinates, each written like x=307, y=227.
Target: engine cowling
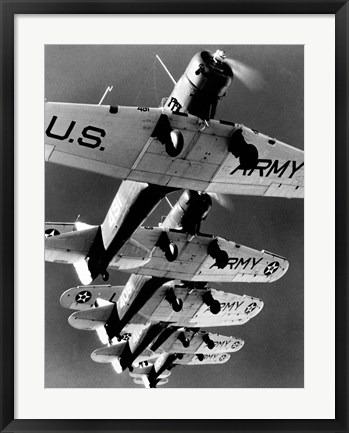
x=203, y=83
x=190, y=210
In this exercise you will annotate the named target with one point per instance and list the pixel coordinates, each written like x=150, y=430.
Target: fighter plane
x=149, y=250
x=164, y=332
x=179, y=144
x=175, y=302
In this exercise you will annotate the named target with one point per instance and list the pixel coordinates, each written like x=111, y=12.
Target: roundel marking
x=83, y=297
x=250, y=308
x=271, y=268
x=222, y=357
x=235, y=344
x=51, y=232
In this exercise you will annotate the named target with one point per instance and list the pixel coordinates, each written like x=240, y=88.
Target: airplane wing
x=194, y=263
x=125, y=142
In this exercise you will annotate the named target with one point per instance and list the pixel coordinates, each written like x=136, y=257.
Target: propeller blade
x=224, y=200
x=251, y=78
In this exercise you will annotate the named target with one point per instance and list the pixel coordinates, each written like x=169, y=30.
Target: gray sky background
x=273, y=355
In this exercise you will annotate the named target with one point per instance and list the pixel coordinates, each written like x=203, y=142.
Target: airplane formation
x=158, y=319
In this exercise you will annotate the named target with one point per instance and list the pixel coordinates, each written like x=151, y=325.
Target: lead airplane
x=159, y=150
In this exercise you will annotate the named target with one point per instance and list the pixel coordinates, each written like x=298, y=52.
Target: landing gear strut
x=105, y=275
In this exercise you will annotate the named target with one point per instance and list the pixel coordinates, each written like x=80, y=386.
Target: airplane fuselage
x=132, y=204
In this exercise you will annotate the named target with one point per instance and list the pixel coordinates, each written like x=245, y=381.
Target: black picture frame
x=8, y=11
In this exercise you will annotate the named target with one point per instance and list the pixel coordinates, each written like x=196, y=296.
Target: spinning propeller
x=224, y=200
x=248, y=76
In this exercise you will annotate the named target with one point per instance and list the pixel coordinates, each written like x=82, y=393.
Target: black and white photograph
x=174, y=209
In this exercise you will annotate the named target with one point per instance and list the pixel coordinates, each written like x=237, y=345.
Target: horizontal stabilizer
x=137, y=374
x=58, y=228
x=143, y=380
x=110, y=353
x=91, y=319
x=69, y=247
x=85, y=297
x=139, y=371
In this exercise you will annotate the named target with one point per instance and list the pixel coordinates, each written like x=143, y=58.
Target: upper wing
x=194, y=263
x=122, y=142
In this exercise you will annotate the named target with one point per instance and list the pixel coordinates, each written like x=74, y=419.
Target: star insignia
x=271, y=268
x=83, y=297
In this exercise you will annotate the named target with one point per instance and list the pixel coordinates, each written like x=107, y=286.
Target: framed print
x=160, y=110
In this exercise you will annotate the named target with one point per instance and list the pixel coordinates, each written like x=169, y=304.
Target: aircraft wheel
x=171, y=252
x=105, y=276
x=249, y=157
x=222, y=259
x=210, y=343
x=174, y=143
x=185, y=343
x=215, y=307
x=183, y=340
x=177, y=305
